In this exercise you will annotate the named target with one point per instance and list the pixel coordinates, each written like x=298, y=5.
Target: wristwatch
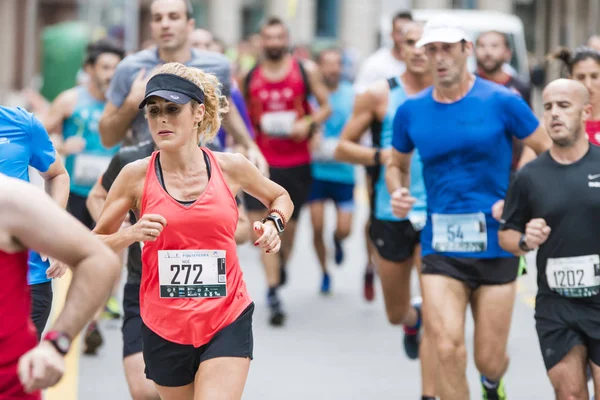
x=276, y=221
x=60, y=340
x=523, y=245
x=377, y=157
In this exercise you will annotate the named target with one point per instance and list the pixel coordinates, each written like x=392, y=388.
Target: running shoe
x=369, y=287
x=325, y=284
x=493, y=391
x=93, y=339
x=411, y=334
x=339, y=250
x=112, y=310
x=276, y=309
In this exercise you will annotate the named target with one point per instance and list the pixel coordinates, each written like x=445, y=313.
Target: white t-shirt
x=379, y=66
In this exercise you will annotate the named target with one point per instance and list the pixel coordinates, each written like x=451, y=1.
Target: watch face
x=279, y=224
x=63, y=343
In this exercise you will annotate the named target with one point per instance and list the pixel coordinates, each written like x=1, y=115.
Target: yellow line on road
x=67, y=387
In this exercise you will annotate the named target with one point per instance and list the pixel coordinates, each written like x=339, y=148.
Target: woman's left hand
x=268, y=237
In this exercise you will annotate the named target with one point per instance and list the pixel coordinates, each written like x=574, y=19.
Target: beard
x=568, y=141
x=490, y=69
x=274, y=54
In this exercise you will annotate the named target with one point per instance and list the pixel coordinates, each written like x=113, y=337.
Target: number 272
x=187, y=268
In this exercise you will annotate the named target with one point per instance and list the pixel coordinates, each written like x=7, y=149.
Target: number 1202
x=570, y=277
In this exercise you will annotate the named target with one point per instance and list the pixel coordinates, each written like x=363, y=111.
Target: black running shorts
x=296, y=180
x=564, y=323
x=76, y=207
x=473, y=272
x=41, y=305
x=132, y=321
x=395, y=240
x=172, y=365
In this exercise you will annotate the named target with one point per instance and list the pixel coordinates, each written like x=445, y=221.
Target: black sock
x=272, y=291
x=490, y=384
x=428, y=398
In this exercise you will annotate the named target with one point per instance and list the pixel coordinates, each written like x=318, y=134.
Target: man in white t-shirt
x=384, y=63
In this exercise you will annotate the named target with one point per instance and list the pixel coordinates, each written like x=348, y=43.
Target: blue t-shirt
x=382, y=200
x=342, y=102
x=86, y=167
x=466, y=152
x=24, y=142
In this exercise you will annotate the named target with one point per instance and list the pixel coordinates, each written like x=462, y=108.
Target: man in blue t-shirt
x=23, y=143
x=462, y=128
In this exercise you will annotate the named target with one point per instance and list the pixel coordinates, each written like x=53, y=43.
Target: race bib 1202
x=574, y=276
x=459, y=232
x=192, y=273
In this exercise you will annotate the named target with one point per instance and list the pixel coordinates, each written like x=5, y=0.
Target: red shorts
x=11, y=349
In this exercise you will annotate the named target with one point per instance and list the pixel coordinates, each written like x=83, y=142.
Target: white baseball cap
x=444, y=29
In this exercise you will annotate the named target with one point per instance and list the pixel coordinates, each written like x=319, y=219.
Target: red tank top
x=17, y=332
x=273, y=108
x=592, y=128
x=192, y=285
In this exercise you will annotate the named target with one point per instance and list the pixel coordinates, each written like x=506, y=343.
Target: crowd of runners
x=169, y=160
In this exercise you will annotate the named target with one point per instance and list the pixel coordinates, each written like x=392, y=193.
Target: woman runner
x=197, y=314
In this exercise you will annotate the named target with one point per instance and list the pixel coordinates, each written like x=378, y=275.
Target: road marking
x=67, y=387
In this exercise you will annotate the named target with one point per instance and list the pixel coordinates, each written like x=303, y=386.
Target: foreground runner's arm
x=39, y=224
x=349, y=148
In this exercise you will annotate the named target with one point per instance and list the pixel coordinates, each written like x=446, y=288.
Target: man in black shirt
x=553, y=205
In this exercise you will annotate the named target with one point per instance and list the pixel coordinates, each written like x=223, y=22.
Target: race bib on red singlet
x=278, y=123
x=574, y=276
x=192, y=273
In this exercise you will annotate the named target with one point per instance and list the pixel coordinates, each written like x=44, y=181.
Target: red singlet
x=17, y=332
x=592, y=128
x=201, y=288
x=273, y=108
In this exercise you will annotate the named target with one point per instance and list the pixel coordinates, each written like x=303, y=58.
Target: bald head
x=594, y=42
x=568, y=88
x=566, y=108
x=201, y=39
x=412, y=26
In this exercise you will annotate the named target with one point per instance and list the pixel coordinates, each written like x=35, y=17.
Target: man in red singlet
x=196, y=311
x=276, y=93
x=41, y=225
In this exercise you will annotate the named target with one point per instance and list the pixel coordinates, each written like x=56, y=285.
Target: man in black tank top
x=553, y=205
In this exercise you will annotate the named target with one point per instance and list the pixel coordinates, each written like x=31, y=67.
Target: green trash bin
x=63, y=51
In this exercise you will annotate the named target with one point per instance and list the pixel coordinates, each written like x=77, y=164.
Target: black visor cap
x=172, y=88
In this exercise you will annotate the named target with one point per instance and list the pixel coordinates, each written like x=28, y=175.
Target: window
x=327, y=18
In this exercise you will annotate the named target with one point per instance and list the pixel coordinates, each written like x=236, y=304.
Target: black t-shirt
x=567, y=197
x=125, y=156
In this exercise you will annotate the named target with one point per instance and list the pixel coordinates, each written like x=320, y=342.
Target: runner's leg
x=344, y=210
x=317, y=213
x=140, y=387
x=221, y=379
x=596, y=377
x=395, y=282
x=427, y=353
x=445, y=303
x=369, y=286
x=492, y=307
x=568, y=376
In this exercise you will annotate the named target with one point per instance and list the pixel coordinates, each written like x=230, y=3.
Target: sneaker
x=112, y=310
x=325, y=284
x=411, y=334
x=369, y=287
x=339, y=251
x=491, y=391
x=93, y=339
x=277, y=315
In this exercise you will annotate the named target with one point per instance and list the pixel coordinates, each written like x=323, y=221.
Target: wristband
x=523, y=245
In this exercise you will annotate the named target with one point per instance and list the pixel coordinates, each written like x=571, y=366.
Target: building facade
x=548, y=24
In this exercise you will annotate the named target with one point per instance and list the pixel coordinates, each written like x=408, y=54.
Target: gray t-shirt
x=128, y=69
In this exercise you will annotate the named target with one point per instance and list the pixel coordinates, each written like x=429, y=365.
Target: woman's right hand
x=148, y=228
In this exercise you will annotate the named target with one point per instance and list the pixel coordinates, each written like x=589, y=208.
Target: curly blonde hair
x=215, y=104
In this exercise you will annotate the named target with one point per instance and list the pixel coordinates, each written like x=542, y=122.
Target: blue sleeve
x=43, y=154
x=519, y=119
x=240, y=104
x=120, y=85
x=401, y=140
